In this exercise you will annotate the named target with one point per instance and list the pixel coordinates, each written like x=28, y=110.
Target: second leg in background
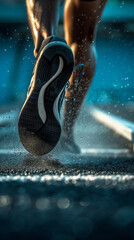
x=80, y=21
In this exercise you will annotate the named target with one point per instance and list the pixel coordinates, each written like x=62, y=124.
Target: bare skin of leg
x=43, y=16
x=80, y=21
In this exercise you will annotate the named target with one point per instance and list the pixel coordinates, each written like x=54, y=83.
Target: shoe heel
x=59, y=49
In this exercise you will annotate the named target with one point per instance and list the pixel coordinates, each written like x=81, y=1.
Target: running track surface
x=62, y=196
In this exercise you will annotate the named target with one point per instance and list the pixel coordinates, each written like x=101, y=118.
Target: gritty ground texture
x=64, y=196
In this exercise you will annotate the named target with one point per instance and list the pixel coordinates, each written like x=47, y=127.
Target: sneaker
x=39, y=121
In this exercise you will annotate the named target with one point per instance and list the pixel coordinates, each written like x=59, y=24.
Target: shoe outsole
x=40, y=137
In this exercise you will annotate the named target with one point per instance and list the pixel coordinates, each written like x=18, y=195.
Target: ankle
x=38, y=43
x=65, y=136
x=39, y=40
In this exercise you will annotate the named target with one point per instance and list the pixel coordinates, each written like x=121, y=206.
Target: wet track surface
x=62, y=196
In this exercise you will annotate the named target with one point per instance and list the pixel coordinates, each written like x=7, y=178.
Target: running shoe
x=39, y=121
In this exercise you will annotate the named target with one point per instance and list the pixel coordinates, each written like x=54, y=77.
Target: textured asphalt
x=64, y=196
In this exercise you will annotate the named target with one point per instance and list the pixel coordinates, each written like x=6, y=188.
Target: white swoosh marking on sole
x=55, y=107
x=41, y=107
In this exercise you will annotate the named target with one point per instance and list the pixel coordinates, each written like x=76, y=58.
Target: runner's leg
x=43, y=16
x=80, y=21
x=39, y=120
